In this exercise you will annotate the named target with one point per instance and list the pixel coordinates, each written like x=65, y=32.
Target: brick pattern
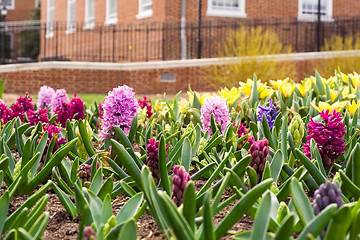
x=143, y=81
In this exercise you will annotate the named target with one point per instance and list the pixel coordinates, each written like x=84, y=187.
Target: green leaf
x=128, y=231
x=318, y=223
x=4, y=206
x=190, y=204
x=319, y=83
x=106, y=188
x=349, y=185
x=106, y=209
x=130, y=208
x=39, y=226
x=254, y=97
x=65, y=200
x=36, y=212
x=286, y=227
x=85, y=139
x=208, y=218
x=39, y=149
x=177, y=221
x=162, y=166
x=267, y=133
x=339, y=224
x=313, y=170
x=125, y=158
x=262, y=219
x=97, y=181
x=241, y=207
x=186, y=155
x=301, y=202
x=356, y=165
x=277, y=164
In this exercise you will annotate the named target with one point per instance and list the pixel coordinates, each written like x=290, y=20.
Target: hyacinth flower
x=146, y=103
x=270, y=112
x=5, y=113
x=152, y=158
x=259, y=150
x=328, y=136
x=64, y=112
x=326, y=194
x=120, y=107
x=240, y=129
x=60, y=96
x=180, y=179
x=41, y=115
x=89, y=233
x=220, y=111
x=84, y=172
x=77, y=107
x=22, y=106
x=44, y=96
x=297, y=128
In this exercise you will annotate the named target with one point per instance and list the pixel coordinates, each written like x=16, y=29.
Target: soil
x=61, y=226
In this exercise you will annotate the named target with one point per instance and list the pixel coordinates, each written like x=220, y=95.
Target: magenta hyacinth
x=44, y=96
x=146, y=103
x=328, y=136
x=41, y=115
x=58, y=98
x=180, y=179
x=64, y=112
x=152, y=159
x=77, y=106
x=218, y=108
x=5, y=113
x=259, y=150
x=120, y=107
x=22, y=106
x=240, y=129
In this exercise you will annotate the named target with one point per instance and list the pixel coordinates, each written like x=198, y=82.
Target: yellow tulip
x=230, y=95
x=183, y=104
x=276, y=84
x=305, y=86
x=263, y=90
x=287, y=87
x=351, y=107
x=337, y=106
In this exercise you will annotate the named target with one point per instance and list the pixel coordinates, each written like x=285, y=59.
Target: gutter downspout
x=183, y=30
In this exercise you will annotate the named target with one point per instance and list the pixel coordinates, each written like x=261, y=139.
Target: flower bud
x=89, y=233
x=297, y=128
x=180, y=179
x=326, y=194
x=259, y=151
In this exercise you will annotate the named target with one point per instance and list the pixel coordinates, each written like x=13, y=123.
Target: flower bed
x=284, y=155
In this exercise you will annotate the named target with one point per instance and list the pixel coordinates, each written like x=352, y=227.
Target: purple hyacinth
x=41, y=115
x=58, y=98
x=328, y=136
x=240, y=129
x=326, y=194
x=146, y=103
x=180, y=179
x=270, y=112
x=77, y=106
x=259, y=150
x=120, y=107
x=44, y=96
x=218, y=108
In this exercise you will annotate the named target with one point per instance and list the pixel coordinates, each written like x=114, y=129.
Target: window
x=308, y=10
x=10, y=4
x=71, y=16
x=226, y=8
x=145, y=9
x=89, y=14
x=50, y=18
x=111, y=12
x=37, y=3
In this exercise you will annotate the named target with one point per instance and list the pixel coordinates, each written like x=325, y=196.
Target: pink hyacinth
x=64, y=112
x=120, y=107
x=22, y=106
x=5, y=113
x=328, y=136
x=44, y=96
x=180, y=179
x=58, y=98
x=146, y=103
x=218, y=108
x=240, y=129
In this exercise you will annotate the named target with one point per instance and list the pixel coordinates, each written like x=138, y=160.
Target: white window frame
x=50, y=24
x=11, y=6
x=111, y=19
x=37, y=2
x=89, y=20
x=144, y=13
x=238, y=12
x=313, y=17
x=71, y=23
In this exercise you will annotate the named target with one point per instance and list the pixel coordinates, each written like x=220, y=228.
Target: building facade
x=133, y=30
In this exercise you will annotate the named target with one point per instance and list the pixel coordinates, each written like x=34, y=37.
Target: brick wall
x=143, y=77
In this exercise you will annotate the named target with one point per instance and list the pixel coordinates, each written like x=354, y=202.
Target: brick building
x=142, y=30
x=17, y=12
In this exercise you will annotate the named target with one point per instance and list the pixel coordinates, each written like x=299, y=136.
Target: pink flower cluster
x=146, y=103
x=180, y=179
x=120, y=107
